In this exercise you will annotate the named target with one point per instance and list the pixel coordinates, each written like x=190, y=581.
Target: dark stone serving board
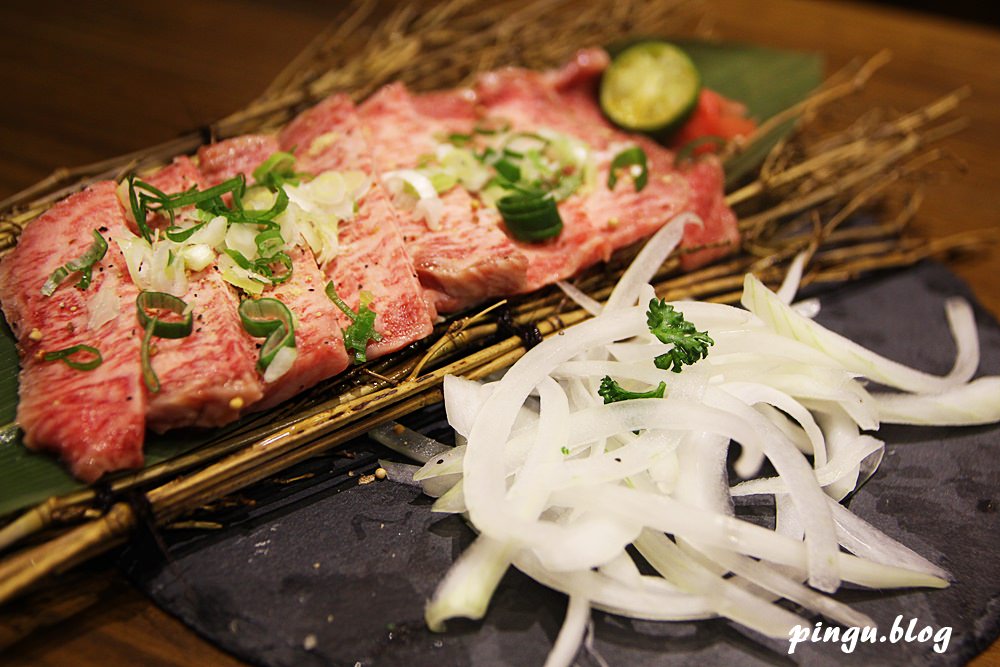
x=326, y=572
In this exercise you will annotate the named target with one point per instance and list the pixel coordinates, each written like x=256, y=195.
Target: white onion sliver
x=580, y=297
x=648, y=261
x=105, y=305
x=560, y=484
x=790, y=285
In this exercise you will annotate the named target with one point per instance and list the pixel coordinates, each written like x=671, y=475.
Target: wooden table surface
x=86, y=81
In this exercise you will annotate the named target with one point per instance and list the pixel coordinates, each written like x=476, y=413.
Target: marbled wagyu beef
x=414, y=260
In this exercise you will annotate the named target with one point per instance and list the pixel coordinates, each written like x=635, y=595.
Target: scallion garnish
x=265, y=266
x=629, y=157
x=154, y=326
x=277, y=170
x=240, y=259
x=508, y=170
x=180, y=234
x=84, y=264
x=268, y=318
x=146, y=199
x=531, y=217
x=362, y=327
x=269, y=242
x=487, y=130
x=65, y=354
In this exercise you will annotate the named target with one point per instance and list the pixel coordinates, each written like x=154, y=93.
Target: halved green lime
x=650, y=87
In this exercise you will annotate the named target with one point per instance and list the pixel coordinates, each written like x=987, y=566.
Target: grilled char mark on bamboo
x=467, y=258
x=94, y=420
x=372, y=254
x=208, y=377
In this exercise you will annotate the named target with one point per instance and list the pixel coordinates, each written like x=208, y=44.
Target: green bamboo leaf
x=766, y=80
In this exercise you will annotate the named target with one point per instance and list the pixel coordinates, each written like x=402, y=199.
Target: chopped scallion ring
x=148, y=374
x=148, y=301
x=531, y=217
x=179, y=235
x=154, y=326
x=487, y=130
x=145, y=199
x=458, y=139
x=508, y=170
x=84, y=264
x=276, y=170
x=65, y=354
x=634, y=156
x=362, y=328
x=268, y=318
x=264, y=266
x=269, y=242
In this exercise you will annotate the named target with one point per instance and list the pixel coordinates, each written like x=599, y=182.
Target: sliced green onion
x=154, y=200
x=147, y=301
x=65, y=354
x=268, y=318
x=264, y=264
x=499, y=129
x=239, y=258
x=457, y=139
x=567, y=186
x=362, y=327
x=138, y=211
x=179, y=234
x=269, y=242
x=443, y=181
x=514, y=136
x=531, y=217
x=148, y=374
x=634, y=156
x=154, y=326
x=508, y=170
x=84, y=264
x=235, y=185
x=277, y=170
x=280, y=204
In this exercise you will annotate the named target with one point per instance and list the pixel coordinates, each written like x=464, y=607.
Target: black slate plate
x=326, y=572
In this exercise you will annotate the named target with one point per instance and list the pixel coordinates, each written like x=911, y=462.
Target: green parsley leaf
x=669, y=326
x=612, y=392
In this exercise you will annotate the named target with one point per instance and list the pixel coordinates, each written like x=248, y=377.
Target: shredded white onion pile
x=558, y=484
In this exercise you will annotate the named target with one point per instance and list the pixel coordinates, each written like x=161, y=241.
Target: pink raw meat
x=467, y=258
x=602, y=220
x=209, y=377
x=372, y=255
x=222, y=160
x=94, y=420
